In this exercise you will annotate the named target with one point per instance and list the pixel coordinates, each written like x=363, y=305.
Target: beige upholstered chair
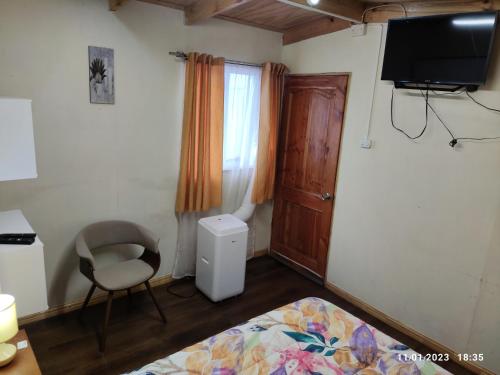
x=122, y=275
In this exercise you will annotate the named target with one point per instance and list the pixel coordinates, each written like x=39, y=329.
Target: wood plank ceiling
x=297, y=21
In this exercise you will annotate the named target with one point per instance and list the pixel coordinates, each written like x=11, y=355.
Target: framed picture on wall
x=101, y=75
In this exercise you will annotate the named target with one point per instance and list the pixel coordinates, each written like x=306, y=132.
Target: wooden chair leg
x=155, y=301
x=102, y=345
x=87, y=299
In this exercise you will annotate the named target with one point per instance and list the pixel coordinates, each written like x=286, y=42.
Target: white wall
x=414, y=230
x=98, y=162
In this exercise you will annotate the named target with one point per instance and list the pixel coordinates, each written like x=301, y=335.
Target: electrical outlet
x=358, y=29
x=366, y=143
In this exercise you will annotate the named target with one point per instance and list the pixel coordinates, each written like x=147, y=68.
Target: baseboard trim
x=427, y=341
x=98, y=297
x=260, y=253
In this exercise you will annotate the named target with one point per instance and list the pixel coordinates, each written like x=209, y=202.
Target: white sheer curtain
x=241, y=136
x=185, y=257
x=241, y=133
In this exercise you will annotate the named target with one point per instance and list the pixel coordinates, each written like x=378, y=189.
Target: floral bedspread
x=310, y=336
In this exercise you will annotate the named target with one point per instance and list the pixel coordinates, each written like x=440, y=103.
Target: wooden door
x=310, y=132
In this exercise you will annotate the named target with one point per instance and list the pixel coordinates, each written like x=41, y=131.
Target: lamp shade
x=8, y=317
x=17, y=146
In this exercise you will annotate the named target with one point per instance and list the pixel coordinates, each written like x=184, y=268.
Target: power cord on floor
x=177, y=282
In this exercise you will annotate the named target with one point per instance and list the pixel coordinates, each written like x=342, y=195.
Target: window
x=241, y=116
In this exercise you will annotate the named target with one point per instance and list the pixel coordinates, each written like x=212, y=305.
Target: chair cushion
x=124, y=275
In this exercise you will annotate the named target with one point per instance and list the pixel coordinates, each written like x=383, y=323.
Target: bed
x=310, y=336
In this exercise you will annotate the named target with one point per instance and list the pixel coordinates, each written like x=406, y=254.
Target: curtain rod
x=182, y=55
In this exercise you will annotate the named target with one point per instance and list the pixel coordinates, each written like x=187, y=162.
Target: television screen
x=446, y=49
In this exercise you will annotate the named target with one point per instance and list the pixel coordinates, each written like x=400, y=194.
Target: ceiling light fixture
x=313, y=3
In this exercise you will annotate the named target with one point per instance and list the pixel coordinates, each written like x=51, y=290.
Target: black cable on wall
x=454, y=140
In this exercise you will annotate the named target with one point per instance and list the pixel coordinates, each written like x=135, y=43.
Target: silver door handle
x=326, y=197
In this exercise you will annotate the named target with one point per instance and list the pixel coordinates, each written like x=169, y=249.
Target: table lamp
x=8, y=328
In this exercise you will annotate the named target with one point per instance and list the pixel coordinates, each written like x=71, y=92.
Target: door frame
x=312, y=275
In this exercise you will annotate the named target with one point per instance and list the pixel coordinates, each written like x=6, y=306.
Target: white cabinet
x=22, y=268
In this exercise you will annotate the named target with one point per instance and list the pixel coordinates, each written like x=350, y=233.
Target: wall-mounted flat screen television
x=442, y=52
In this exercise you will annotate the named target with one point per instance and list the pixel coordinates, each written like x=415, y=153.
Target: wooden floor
x=65, y=345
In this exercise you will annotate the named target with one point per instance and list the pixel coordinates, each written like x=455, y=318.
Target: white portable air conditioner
x=221, y=256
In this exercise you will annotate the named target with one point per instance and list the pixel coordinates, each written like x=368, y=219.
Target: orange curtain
x=200, y=178
x=271, y=95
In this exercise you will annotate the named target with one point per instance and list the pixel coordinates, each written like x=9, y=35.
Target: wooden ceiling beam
x=349, y=10
x=115, y=4
x=205, y=9
x=314, y=28
x=249, y=23
x=165, y=3
x=428, y=8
